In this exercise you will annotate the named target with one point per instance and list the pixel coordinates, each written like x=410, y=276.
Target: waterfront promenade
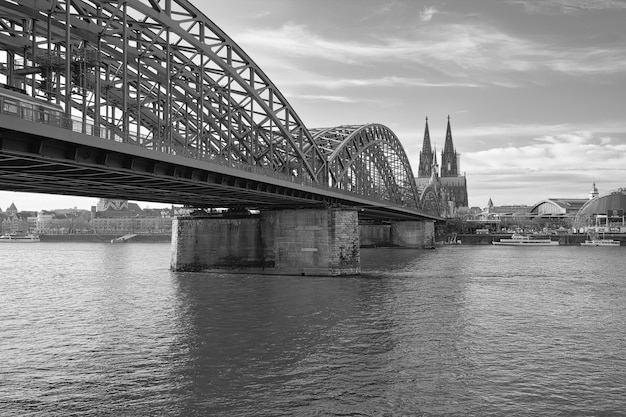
x=465, y=239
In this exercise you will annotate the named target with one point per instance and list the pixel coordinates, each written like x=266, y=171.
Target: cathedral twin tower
x=441, y=193
x=428, y=157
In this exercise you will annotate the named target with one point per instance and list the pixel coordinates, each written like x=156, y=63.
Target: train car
x=15, y=101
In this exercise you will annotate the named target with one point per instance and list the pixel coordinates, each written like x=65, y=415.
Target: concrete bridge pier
x=402, y=234
x=413, y=234
x=293, y=242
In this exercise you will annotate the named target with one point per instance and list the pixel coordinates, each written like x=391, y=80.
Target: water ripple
x=108, y=330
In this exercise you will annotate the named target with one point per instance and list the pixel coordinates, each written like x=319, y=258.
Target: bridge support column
x=413, y=234
x=375, y=235
x=200, y=243
x=316, y=241
x=293, y=242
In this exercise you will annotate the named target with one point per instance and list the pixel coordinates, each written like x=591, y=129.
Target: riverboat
x=600, y=242
x=15, y=238
x=523, y=240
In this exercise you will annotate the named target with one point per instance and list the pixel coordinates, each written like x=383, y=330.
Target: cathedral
x=443, y=191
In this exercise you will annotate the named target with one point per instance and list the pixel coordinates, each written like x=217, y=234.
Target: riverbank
x=464, y=239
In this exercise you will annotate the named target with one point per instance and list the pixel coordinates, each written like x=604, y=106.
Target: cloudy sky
x=536, y=90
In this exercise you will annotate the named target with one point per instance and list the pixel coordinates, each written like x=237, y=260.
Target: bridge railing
x=54, y=116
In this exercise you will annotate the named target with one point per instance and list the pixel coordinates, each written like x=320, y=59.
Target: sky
x=535, y=89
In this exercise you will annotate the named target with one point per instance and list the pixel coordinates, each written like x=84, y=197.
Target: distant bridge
x=150, y=100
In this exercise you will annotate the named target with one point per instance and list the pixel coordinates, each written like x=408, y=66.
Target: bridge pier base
x=293, y=242
x=402, y=234
x=413, y=234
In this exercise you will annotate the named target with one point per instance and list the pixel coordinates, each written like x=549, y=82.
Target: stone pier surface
x=293, y=242
x=200, y=243
x=399, y=234
x=413, y=234
x=375, y=235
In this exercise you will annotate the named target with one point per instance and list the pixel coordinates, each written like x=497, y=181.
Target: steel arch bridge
x=162, y=77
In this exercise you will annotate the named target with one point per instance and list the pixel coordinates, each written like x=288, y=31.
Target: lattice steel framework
x=368, y=160
x=161, y=75
x=429, y=202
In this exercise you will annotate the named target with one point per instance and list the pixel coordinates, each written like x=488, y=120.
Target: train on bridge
x=15, y=101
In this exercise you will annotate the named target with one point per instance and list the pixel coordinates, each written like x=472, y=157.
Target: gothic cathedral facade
x=442, y=191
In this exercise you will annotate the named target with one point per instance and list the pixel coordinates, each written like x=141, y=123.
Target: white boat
x=124, y=239
x=523, y=240
x=600, y=242
x=15, y=238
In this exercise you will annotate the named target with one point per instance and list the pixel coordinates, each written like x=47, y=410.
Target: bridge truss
x=160, y=75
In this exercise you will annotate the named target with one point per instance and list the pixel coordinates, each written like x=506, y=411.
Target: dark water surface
x=97, y=329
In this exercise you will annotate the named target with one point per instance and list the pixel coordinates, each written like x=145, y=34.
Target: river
x=109, y=330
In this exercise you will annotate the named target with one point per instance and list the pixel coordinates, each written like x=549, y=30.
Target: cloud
x=569, y=152
x=387, y=81
x=263, y=13
x=454, y=50
x=522, y=164
x=337, y=99
x=297, y=41
x=567, y=6
x=561, y=166
x=427, y=13
x=538, y=131
x=384, y=9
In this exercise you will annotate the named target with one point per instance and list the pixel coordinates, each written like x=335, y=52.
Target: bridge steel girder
x=160, y=77
x=50, y=160
x=41, y=158
x=375, y=146
x=161, y=70
x=429, y=201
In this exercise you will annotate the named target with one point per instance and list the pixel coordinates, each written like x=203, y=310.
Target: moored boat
x=523, y=240
x=600, y=242
x=18, y=238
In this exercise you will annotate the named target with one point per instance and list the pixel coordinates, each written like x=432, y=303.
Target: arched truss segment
x=159, y=74
x=370, y=160
x=429, y=201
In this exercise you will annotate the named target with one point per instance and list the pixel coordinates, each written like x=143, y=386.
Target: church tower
x=594, y=191
x=440, y=194
x=426, y=156
x=449, y=166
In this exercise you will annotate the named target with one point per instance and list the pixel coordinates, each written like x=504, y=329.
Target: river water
x=108, y=330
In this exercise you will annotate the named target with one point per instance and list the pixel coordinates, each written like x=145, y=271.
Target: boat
x=594, y=239
x=600, y=242
x=124, y=239
x=524, y=240
x=18, y=238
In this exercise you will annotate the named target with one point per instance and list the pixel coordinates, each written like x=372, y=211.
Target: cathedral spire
x=426, y=145
x=448, y=156
x=426, y=155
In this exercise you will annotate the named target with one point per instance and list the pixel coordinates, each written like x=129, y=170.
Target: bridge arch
x=161, y=75
x=370, y=160
x=430, y=201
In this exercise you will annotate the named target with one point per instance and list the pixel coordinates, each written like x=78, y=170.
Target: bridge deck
x=40, y=158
